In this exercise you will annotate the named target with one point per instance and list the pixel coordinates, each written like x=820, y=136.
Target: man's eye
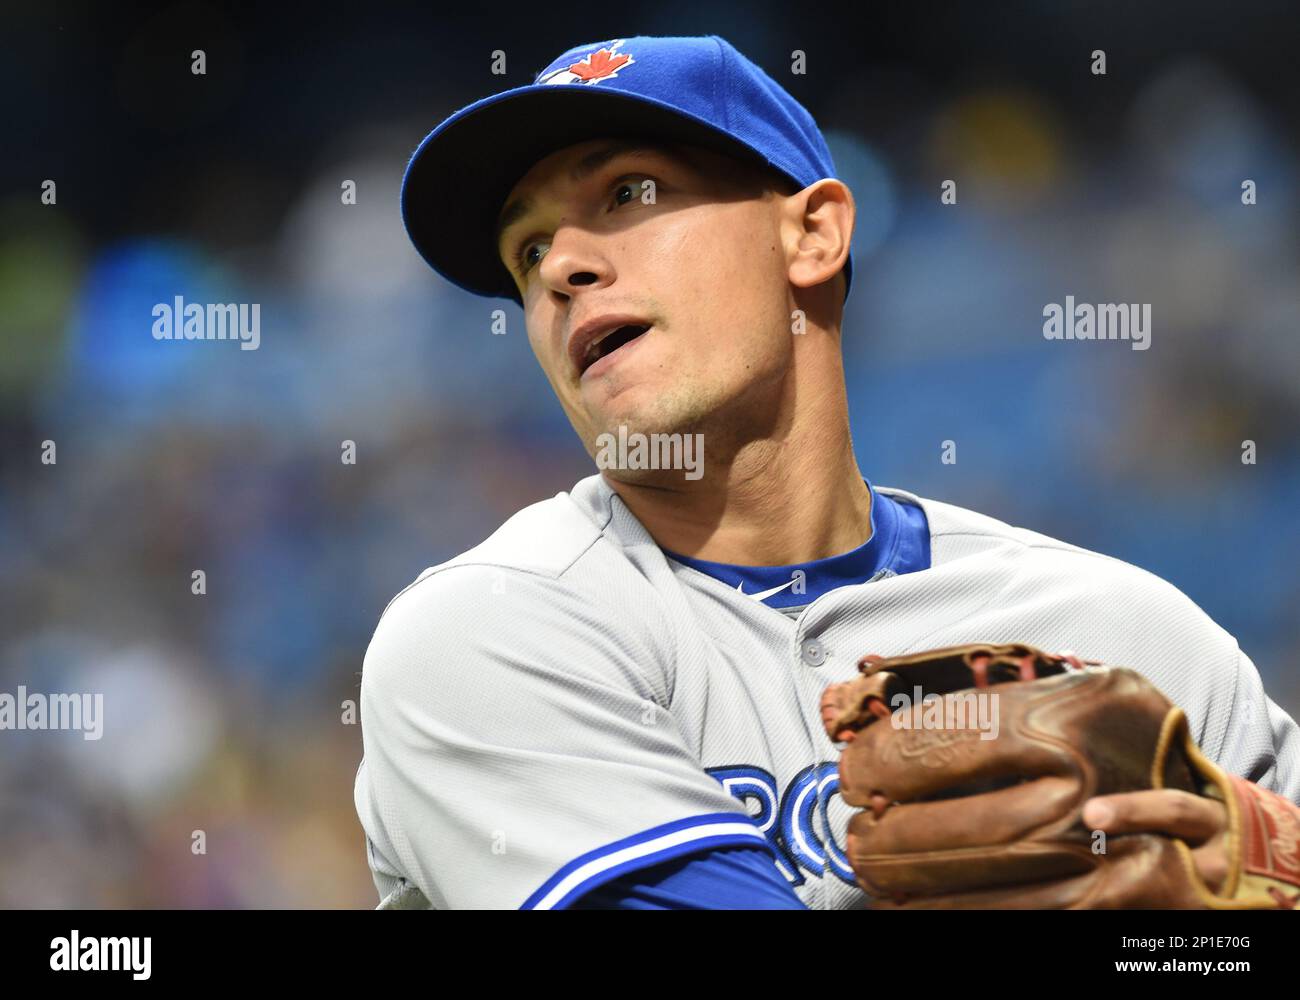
x=628, y=191
x=529, y=255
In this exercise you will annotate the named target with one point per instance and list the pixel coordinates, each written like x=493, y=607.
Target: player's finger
x=1176, y=813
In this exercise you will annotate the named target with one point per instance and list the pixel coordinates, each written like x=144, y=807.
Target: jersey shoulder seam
x=479, y=556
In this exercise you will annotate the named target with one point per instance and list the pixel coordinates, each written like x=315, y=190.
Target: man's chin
x=646, y=450
x=611, y=401
x=632, y=423
x=643, y=410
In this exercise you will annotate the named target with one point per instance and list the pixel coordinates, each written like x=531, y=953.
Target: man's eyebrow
x=580, y=171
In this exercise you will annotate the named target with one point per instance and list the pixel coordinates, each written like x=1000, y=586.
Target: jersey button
x=813, y=652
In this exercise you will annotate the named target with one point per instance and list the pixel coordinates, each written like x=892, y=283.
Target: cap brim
x=461, y=174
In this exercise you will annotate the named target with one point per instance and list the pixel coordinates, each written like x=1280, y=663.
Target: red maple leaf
x=599, y=64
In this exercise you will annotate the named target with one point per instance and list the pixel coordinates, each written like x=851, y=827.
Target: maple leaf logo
x=603, y=64
x=600, y=65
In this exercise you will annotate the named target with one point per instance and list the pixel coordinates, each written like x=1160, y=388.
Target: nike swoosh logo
x=762, y=595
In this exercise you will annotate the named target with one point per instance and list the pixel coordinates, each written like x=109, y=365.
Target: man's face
x=689, y=272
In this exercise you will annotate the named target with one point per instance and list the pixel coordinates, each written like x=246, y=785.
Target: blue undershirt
x=899, y=543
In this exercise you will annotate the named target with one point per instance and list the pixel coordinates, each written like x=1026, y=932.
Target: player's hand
x=1199, y=821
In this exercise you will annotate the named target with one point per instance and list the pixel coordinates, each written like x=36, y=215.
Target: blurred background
x=225, y=712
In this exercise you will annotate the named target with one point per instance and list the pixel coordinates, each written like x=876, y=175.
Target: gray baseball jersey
x=564, y=703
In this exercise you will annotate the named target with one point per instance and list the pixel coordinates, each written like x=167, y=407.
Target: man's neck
x=774, y=503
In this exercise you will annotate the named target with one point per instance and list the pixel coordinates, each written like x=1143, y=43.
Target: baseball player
x=616, y=700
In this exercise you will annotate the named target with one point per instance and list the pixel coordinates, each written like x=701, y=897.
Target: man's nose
x=574, y=261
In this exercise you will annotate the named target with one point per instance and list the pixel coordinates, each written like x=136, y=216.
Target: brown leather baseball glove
x=972, y=765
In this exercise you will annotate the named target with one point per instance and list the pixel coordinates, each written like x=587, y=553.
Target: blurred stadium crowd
x=225, y=712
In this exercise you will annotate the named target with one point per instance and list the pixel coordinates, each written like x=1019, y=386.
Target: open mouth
x=611, y=342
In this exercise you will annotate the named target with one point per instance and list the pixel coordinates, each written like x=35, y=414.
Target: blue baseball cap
x=696, y=91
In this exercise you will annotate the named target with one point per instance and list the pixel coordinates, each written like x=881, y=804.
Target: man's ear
x=819, y=228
